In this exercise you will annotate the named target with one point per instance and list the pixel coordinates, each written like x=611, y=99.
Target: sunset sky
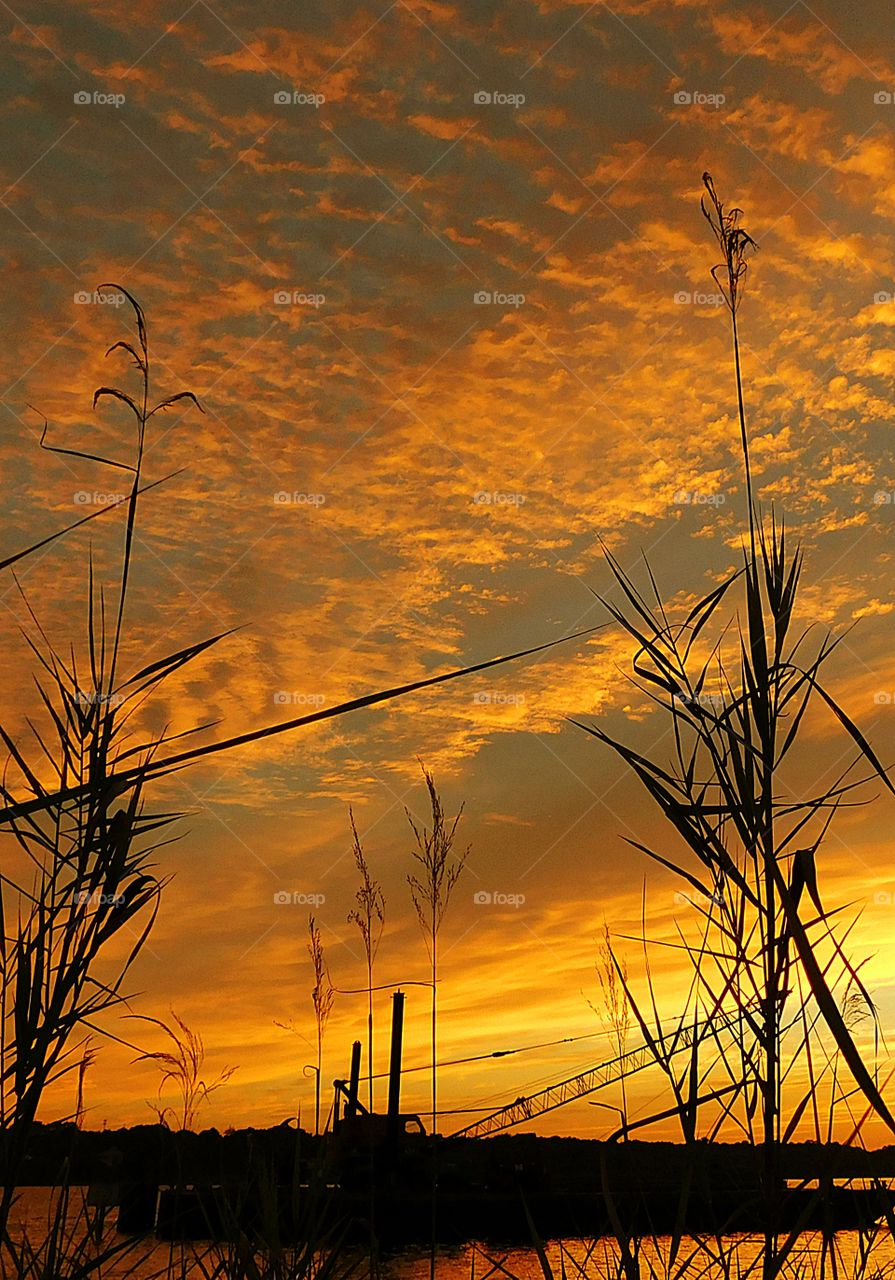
x=500, y=344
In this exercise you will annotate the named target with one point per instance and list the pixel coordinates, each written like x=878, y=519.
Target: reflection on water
x=734, y=1259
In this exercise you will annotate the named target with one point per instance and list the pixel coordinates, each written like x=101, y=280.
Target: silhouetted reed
x=734, y=693
x=181, y=1068
x=431, y=888
x=368, y=914
x=322, y=998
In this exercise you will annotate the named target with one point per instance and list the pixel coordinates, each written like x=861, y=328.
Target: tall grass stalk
x=431, y=888
x=430, y=891
x=322, y=998
x=612, y=975
x=368, y=914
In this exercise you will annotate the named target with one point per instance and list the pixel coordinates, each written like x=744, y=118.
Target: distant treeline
x=155, y=1154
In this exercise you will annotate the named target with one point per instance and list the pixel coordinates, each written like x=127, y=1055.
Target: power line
x=383, y=986
x=495, y=1053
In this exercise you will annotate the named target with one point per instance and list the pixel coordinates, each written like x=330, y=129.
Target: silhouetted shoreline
x=486, y=1187
x=498, y=1164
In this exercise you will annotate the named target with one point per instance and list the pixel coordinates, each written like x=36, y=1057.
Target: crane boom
x=578, y=1086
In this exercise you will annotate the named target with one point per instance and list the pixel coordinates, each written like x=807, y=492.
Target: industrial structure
x=348, y=1109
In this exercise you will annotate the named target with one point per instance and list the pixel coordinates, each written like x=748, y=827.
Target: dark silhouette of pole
x=394, y=1072
x=310, y=1069
x=354, y=1082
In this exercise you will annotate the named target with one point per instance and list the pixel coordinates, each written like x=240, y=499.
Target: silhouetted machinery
x=389, y=1180
x=357, y=1129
